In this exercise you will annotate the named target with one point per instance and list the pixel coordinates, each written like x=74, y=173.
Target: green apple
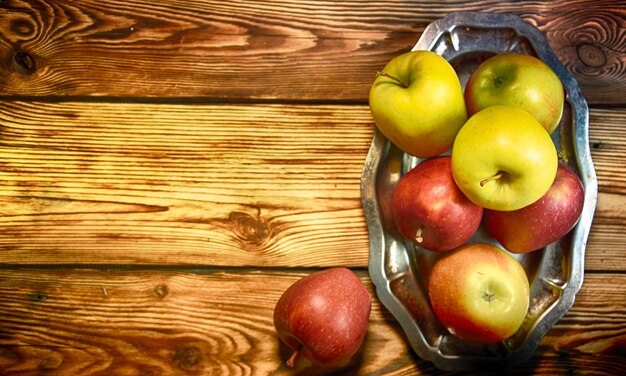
x=518, y=80
x=503, y=159
x=417, y=103
x=479, y=292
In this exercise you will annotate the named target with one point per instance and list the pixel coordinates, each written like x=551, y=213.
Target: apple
x=479, y=292
x=503, y=159
x=324, y=317
x=519, y=80
x=417, y=103
x=429, y=208
x=543, y=222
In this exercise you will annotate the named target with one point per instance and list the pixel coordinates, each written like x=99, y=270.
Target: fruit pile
x=502, y=170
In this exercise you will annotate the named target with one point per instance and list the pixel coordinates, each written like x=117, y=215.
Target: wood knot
x=187, y=357
x=37, y=297
x=161, y=291
x=248, y=228
x=22, y=27
x=51, y=361
x=24, y=63
x=591, y=55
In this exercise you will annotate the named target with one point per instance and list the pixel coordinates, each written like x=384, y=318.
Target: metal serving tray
x=400, y=270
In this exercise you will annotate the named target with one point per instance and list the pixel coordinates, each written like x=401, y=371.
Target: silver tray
x=399, y=269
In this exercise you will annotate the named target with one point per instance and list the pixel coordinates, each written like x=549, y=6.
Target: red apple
x=428, y=207
x=479, y=292
x=543, y=222
x=324, y=317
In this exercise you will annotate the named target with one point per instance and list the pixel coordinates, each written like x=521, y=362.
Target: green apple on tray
x=503, y=167
x=417, y=102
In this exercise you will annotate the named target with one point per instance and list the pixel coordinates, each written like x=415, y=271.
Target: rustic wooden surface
x=168, y=168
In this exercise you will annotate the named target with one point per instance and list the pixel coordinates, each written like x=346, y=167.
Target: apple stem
x=385, y=74
x=292, y=359
x=489, y=296
x=495, y=177
x=418, y=234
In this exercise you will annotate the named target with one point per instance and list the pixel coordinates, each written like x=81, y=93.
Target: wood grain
x=169, y=168
x=263, y=185
x=220, y=185
x=88, y=322
x=268, y=50
x=116, y=322
x=607, y=137
x=608, y=143
x=591, y=43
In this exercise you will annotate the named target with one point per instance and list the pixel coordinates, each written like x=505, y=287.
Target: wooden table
x=169, y=168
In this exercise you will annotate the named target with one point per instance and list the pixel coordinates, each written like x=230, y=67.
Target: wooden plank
x=296, y=50
x=123, y=183
x=119, y=322
x=607, y=137
x=220, y=185
x=605, y=249
x=89, y=322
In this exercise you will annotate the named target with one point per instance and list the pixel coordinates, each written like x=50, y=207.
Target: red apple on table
x=430, y=209
x=324, y=317
x=543, y=222
x=517, y=80
x=479, y=292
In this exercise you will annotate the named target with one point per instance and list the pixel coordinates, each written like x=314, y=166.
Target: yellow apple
x=503, y=159
x=519, y=80
x=417, y=103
